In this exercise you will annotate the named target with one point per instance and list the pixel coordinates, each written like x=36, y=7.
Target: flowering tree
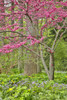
x=50, y=14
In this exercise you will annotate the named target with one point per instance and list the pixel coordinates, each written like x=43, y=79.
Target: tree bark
x=30, y=66
x=20, y=61
x=12, y=22
x=30, y=63
x=20, y=49
x=51, y=67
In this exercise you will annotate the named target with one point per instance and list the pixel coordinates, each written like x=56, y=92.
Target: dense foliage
x=35, y=87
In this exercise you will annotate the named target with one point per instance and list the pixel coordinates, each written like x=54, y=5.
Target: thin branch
x=59, y=39
x=13, y=32
x=38, y=36
x=44, y=64
x=31, y=50
x=45, y=46
x=57, y=33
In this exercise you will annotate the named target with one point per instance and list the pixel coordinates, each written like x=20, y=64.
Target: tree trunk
x=20, y=61
x=30, y=63
x=51, y=67
x=20, y=49
x=12, y=22
x=31, y=59
x=38, y=59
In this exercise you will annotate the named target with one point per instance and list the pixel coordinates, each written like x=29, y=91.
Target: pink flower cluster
x=9, y=47
x=51, y=11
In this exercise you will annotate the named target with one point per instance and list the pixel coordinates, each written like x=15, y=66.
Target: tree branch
x=31, y=50
x=13, y=32
x=59, y=39
x=57, y=33
x=44, y=64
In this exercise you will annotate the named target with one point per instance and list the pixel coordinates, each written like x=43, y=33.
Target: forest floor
x=36, y=87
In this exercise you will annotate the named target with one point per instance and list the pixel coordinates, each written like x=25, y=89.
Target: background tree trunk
x=12, y=22
x=51, y=67
x=2, y=23
x=31, y=59
x=20, y=49
x=20, y=61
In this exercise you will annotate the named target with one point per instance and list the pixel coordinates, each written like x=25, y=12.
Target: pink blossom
x=17, y=27
x=6, y=37
x=0, y=50
x=16, y=2
x=51, y=12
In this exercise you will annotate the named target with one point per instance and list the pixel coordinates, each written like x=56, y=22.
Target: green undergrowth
x=35, y=87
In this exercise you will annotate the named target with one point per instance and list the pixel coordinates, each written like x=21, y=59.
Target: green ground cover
x=36, y=87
